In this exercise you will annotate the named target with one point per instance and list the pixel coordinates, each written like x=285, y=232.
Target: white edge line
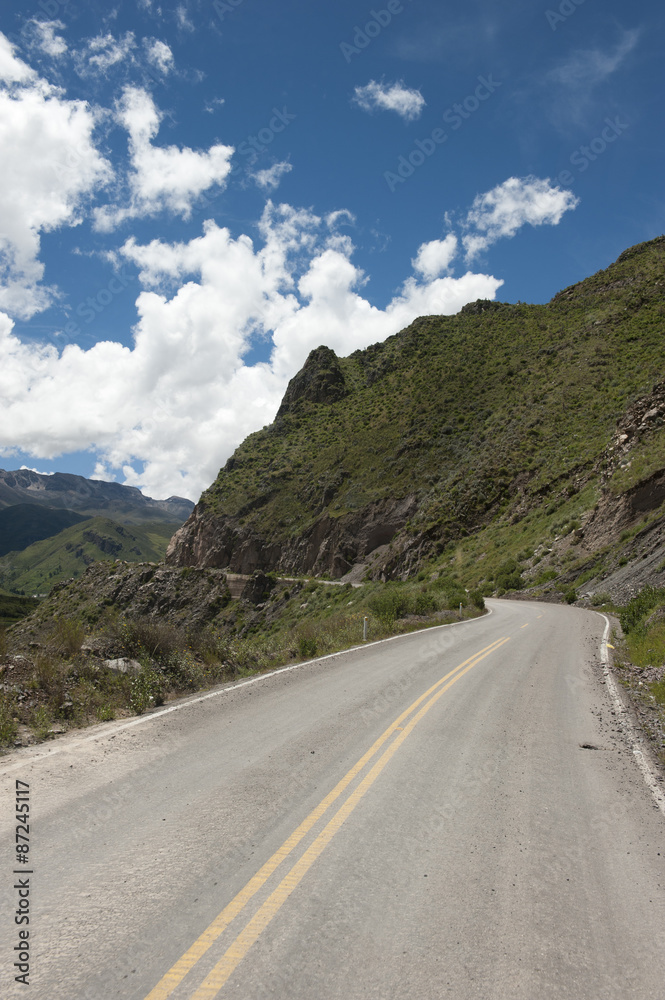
x=628, y=727
x=142, y=719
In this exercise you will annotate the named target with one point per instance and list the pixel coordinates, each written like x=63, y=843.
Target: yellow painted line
x=525, y=625
x=539, y=616
x=216, y=979
x=177, y=972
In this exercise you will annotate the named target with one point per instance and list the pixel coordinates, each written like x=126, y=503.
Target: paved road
x=417, y=819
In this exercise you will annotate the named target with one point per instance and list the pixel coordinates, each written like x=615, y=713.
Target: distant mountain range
x=52, y=527
x=125, y=504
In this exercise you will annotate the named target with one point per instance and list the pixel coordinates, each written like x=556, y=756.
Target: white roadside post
x=365, y=629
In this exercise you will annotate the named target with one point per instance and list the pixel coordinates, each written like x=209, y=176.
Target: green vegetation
x=41, y=565
x=67, y=682
x=634, y=615
x=25, y=523
x=643, y=623
x=481, y=436
x=13, y=608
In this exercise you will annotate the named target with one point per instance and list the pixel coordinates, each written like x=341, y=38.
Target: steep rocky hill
x=473, y=441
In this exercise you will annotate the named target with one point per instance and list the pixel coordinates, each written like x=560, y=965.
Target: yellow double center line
x=246, y=938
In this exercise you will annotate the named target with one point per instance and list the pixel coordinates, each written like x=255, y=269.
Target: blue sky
x=194, y=195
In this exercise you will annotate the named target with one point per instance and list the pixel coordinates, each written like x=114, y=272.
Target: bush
x=390, y=603
x=477, y=600
x=640, y=606
x=658, y=691
x=425, y=604
x=40, y=722
x=8, y=727
x=147, y=690
x=67, y=636
x=142, y=637
x=307, y=645
x=570, y=595
x=508, y=576
x=185, y=672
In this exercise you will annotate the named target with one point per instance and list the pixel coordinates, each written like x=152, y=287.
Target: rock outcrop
x=330, y=547
x=320, y=380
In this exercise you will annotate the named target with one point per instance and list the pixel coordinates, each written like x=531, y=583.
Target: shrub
x=40, y=722
x=307, y=645
x=570, y=595
x=67, y=636
x=142, y=637
x=477, y=599
x=147, y=689
x=8, y=725
x=390, y=603
x=658, y=691
x=425, y=604
x=508, y=576
x=640, y=606
x=184, y=671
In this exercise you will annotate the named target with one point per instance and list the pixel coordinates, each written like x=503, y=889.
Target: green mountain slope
x=13, y=608
x=455, y=425
x=40, y=566
x=25, y=523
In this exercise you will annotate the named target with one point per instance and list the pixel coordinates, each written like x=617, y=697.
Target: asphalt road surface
x=419, y=818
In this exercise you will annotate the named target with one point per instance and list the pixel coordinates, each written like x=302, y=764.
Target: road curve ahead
x=454, y=813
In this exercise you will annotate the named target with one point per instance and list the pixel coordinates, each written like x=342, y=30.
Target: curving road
x=419, y=818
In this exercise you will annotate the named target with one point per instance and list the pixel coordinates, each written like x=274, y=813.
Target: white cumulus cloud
x=374, y=96
x=181, y=398
x=46, y=39
x=13, y=69
x=509, y=206
x=268, y=179
x=435, y=257
x=160, y=178
x=158, y=54
x=104, y=51
x=48, y=167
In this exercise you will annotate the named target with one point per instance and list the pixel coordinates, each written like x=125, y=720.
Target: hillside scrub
x=477, y=437
x=67, y=683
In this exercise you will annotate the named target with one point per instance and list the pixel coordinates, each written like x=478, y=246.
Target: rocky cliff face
x=331, y=547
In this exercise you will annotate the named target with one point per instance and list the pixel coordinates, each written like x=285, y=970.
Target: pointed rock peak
x=320, y=380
